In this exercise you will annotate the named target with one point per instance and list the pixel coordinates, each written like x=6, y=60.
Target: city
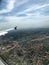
x=27, y=48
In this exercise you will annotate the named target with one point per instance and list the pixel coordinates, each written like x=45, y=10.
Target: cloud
x=20, y=2
x=9, y=7
x=25, y=22
x=11, y=4
x=1, y=17
x=26, y=16
x=33, y=8
x=23, y=8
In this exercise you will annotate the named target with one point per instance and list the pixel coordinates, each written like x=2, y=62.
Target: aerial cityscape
x=25, y=47
x=24, y=32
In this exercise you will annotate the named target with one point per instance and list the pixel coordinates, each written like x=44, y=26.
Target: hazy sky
x=24, y=13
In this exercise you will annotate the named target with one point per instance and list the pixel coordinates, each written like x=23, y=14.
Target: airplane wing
x=6, y=31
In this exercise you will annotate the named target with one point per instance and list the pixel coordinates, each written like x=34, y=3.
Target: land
x=25, y=47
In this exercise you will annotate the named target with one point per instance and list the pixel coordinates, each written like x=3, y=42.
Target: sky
x=24, y=14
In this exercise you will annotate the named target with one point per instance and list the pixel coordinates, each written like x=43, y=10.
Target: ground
x=25, y=47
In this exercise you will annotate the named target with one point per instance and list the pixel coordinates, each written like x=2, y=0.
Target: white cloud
x=9, y=6
x=1, y=17
x=20, y=3
x=26, y=22
x=33, y=8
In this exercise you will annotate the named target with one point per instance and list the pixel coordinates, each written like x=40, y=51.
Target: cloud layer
x=24, y=13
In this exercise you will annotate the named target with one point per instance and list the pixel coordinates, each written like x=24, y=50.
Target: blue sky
x=24, y=13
